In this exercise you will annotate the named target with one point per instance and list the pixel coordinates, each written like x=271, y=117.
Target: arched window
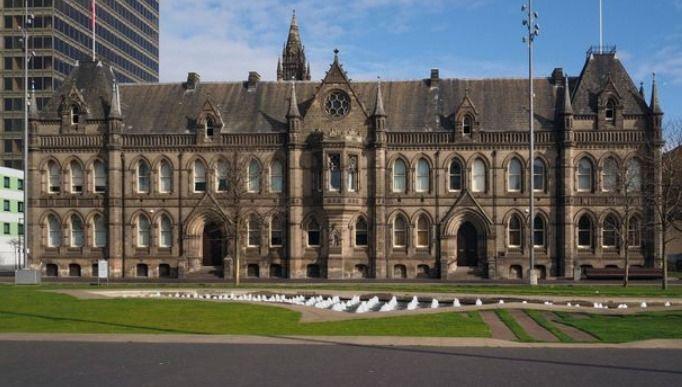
x=165, y=232
x=253, y=231
x=514, y=231
x=539, y=175
x=276, y=233
x=210, y=126
x=399, y=231
x=76, y=177
x=423, y=231
x=634, y=232
x=539, y=231
x=276, y=177
x=585, y=175
x=585, y=232
x=253, y=184
x=634, y=176
x=514, y=175
x=478, y=180
x=399, y=176
x=609, y=175
x=199, y=176
x=313, y=233
x=99, y=234
x=610, y=111
x=455, y=174
x=54, y=232
x=352, y=173
x=222, y=171
x=54, y=177
x=423, y=172
x=77, y=236
x=75, y=114
x=143, y=174
x=100, y=177
x=361, y=232
x=143, y=231
x=165, y=177
x=467, y=124
x=334, y=164
x=610, y=232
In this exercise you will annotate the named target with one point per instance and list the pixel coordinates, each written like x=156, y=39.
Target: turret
x=655, y=107
x=293, y=114
x=567, y=107
x=379, y=115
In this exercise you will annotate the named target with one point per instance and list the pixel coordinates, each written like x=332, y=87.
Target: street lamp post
x=533, y=31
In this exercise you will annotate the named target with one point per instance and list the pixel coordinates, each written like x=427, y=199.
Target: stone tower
x=293, y=65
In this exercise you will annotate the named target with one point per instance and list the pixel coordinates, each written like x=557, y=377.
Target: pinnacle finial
x=294, y=22
x=115, y=109
x=293, y=102
x=655, y=105
x=336, y=55
x=568, y=106
x=33, y=104
x=379, y=104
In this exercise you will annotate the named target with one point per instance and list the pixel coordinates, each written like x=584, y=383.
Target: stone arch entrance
x=467, y=245
x=214, y=243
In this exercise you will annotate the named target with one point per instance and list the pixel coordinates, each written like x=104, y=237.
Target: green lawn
x=624, y=328
x=31, y=310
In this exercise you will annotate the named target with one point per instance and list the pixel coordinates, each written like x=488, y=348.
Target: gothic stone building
x=341, y=179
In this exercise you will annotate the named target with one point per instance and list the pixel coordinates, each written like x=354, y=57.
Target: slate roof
x=409, y=105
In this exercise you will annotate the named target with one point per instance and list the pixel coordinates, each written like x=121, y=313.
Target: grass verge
x=625, y=328
x=543, y=322
x=513, y=325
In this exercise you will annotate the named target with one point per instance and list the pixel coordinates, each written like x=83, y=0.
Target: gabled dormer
x=609, y=106
x=73, y=111
x=209, y=122
x=466, y=118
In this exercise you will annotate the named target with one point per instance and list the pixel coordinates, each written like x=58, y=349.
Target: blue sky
x=403, y=39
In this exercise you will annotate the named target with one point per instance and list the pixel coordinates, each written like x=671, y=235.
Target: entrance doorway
x=467, y=245
x=214, y=241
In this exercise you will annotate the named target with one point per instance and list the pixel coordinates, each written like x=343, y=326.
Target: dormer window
x=467, y=124
x=210, y=126
x=75, y=115
x=610, y=111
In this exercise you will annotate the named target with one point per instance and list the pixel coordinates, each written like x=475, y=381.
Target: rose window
x=337, y=104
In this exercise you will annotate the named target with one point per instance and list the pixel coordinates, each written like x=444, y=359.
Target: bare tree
x=665, y=200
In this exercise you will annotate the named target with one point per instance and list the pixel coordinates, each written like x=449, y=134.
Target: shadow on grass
x=103, y=323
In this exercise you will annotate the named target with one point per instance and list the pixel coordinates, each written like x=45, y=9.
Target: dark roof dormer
x=209, y=122
x=466, y=118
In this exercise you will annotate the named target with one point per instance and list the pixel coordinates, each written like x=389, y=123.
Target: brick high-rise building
x=127, y=38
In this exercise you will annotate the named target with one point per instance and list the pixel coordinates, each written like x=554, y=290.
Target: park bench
x=619, y=273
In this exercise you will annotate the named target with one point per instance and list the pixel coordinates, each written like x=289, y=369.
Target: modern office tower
x=127, y=38
x=11, y=215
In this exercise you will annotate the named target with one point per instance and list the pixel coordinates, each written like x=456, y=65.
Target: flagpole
x=94, y=18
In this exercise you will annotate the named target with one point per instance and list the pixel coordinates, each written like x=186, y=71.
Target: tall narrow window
x=54, y=232
x=361, y=232
x=334, y=164
x=276, y=177
x=514, y=175
x=165, y=232
x=313, y=233
x=467, y=124
x=76, y=177
x=634, y=233
x=75, y=114
x=514, y=231
x=143, y=176
x=199, y=176
x=54, y=177
x=352, y=173
x=77, y=236
x=165, y=177
x=399, y=176
x=609, y=175
x=253, y=231
x=143, y=231
x=539, y=231
x=222, y=171
x=210, y=126
x=585, y=232
x=455, y=175
x=99, y=231
x=423, y=174
x=254, y=176
x=399, y=231
x=316, y=173
x=100, y=177
x=610, y=111
x=478, y=176
x=423, y=231
x=539, y=175
x=610, y=232
x=276, y=232
x=634, y=176
x=585, y=175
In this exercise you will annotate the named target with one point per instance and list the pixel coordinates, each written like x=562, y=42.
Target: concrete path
x=498, y=329
x=531, y=327
x=574, y=333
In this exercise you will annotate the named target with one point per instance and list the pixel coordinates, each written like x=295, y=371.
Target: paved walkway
x=574, y=333
x=498, y=330
x=533, y=329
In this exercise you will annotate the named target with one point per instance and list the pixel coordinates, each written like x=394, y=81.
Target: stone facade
x=341, y=179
